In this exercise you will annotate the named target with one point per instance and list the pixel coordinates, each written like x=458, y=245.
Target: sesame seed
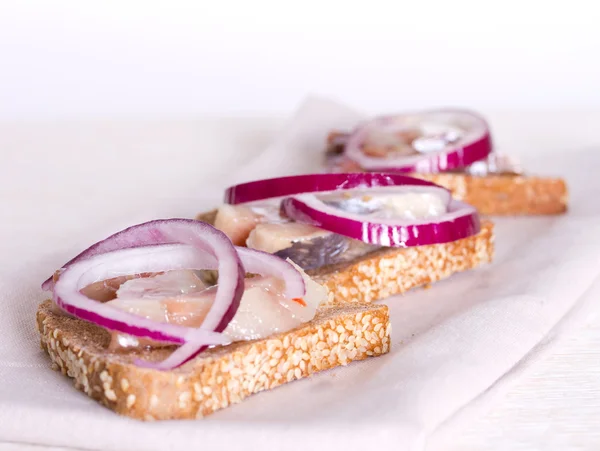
x=340, y=329
x=124, y=384
x=377, y=326
x=207, y=391
x=296, y=358
x=110, y=394
x=304, y=346
x=153, y=401
x=333, y=337
x=298, y=373
x=290, y=375
x=298, y=343
x=197, y=392
x=130, y=400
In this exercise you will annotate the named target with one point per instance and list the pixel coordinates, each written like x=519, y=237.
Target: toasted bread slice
x=218, y=377
x=492, y=194
x=392, y=270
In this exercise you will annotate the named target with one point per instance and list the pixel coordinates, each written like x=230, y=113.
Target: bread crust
x=219, y=377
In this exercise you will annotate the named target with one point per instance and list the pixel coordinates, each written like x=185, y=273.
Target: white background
x=78, y=59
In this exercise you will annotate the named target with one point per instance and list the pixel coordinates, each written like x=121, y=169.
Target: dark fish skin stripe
x=323, y=251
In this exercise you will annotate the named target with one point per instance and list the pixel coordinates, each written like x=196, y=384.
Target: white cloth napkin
x=459, y=342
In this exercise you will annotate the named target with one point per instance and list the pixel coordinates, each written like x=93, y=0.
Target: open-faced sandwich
x=174, y=319
x=364, y=236
x=452, y=148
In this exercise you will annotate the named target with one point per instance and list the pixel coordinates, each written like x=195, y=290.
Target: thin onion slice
x=460, y=221
x=472, y=142
x=206, y=240
x=279, y=187
x=68, y=296
x=160, y=231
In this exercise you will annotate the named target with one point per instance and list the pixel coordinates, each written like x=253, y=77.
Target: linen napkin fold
x=450, y=344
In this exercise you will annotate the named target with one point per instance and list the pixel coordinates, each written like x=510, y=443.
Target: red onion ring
x=159, y=231
x=460, y=221
x=475, y=146
x=203, y=247
x=204, y=238
x=312, y=183
x=123, y=262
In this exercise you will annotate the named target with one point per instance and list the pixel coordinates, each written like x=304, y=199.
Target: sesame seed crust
x=220, y=376
x=392, y=271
